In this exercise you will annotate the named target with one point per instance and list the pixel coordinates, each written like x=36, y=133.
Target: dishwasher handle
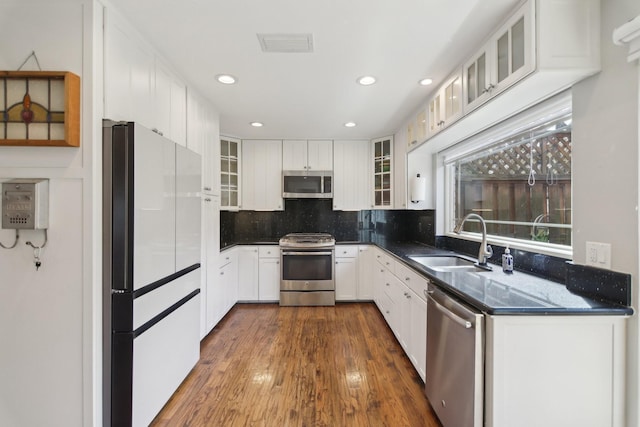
x=459, y=320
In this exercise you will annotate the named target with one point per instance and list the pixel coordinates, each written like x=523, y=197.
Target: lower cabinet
x=346, y=272
x=366, y=273
x=268, y=273
x=525, y=356
x=403, y=308
x=222, y=291
x=248, y=273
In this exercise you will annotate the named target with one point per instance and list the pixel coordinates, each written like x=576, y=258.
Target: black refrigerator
x=151, y=270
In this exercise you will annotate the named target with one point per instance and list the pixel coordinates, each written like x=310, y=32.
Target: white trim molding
x=629, y=33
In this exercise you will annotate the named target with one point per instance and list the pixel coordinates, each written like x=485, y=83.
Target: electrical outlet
x=599, y=255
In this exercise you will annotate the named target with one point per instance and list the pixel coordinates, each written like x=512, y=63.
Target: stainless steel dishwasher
x=455, y=360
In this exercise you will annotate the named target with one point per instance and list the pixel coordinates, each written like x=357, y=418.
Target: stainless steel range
x=307, y=276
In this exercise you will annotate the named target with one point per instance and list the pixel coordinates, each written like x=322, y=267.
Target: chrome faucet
x=485, y=251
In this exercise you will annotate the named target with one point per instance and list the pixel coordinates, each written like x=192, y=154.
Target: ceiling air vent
x=287, y=43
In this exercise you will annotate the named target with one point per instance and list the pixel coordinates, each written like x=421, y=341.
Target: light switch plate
x=599, y=255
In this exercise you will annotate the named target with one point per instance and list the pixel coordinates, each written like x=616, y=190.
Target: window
x=520, y=183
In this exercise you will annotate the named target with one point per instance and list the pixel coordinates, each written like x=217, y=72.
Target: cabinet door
x=351, y=170
x=382, y=172
x=178, y=112
x=269, y=279
x=210, y=251
x=248, y=273
x=294, y=154
x=230, y=160
x=477, y=79
x=346, y=279
x=513, y=48
x=162, y=103
x=320, y=155
x=417, y=335
x=366, y=272
x=262, y=175
x=446, y=105
x=128, y=74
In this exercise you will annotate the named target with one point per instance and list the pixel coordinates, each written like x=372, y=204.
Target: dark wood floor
x=266, y=365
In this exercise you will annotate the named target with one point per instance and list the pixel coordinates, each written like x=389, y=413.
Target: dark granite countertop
x=498, y=293
x=493, y=292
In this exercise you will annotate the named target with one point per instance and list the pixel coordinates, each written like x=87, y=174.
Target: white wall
x=605, y=169
x=46, y=359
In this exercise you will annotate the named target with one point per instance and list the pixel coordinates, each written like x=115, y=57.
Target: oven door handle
x=307, y=253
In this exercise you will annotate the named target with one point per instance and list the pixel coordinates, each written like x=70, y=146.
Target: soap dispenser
x=507, y=261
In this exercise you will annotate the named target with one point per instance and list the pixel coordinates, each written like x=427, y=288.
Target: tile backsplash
x=317, y=215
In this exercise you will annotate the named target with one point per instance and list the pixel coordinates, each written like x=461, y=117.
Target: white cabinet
x=400, y=196
x=351, y=175
x=505, y=59
x=582, y=357
x=417, y=335
x=203, y=136
x=445, y=107
x=129, y=73
x=366, y=273
x=536, y=39
x=210, y=264
x=138, y=85
x=346, y=271
x=230, y=161
x=316, y=155
x=382, y=154
x=226, y=291
x=269, y=273
x=248, y=268
x=262, y=175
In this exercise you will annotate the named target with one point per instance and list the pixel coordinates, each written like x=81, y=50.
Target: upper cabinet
x=505, y=59
x=138, y=85
x=230, y=150
x=262, y=175
x=382, y=152
x=542, y=48
x=445, y=107
x=351, y=183
x=307, y=155
x=203, y=136
x=170, y=105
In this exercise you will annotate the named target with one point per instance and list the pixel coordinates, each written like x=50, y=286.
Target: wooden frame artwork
x=39, y=108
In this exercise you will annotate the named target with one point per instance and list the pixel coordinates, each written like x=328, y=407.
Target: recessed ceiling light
x=426, y=82
x=366, y=80
x=226, y=79
x=256, y=124
x=350, y=124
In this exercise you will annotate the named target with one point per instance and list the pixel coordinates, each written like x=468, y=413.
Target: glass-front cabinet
x=504, y=60
x=382, y=150
x=445, y=107
x=229, y=173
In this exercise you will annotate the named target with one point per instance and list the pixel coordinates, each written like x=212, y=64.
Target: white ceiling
x=312, y=95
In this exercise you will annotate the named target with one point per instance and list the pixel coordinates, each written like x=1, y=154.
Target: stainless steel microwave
x=307, y=184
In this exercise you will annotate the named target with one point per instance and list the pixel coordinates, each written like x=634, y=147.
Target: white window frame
x=539, y=114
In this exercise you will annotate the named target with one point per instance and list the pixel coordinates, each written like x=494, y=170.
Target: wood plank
x=266, y=365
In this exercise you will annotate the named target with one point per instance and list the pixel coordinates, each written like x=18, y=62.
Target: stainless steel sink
x=446, y=263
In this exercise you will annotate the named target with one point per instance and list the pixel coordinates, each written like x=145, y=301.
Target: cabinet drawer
x=413, y=280
x=386, y=260
x=269, y=252
x=227, y=257
x=346, y=251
